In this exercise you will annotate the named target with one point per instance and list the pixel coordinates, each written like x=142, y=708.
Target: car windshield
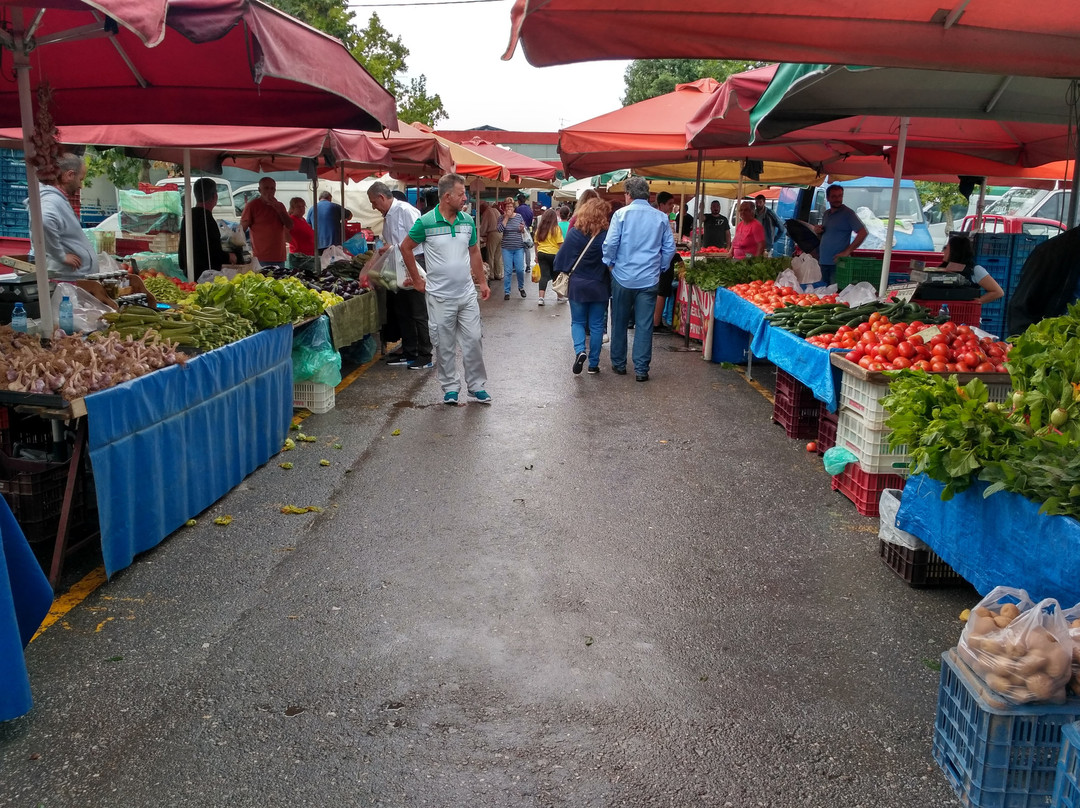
x=908, y=208
x=1012, y=201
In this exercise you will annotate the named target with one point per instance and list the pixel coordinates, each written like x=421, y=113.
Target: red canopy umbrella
x=413, y=153
x=520, y=166
x=237, y=61
x=990, y=36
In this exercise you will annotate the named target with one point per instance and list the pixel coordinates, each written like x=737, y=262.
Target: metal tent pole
x=901, y=147
x=189, y=226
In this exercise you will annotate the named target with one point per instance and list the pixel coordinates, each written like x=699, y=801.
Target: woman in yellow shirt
x=549, y=238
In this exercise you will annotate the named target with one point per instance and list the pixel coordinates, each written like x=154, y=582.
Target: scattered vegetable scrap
x=191, y=523
x=324, y=462
x=223, y=520
x=300, y=436
x=301, y=509
x=396, y=432
x=289, y=444
x=285, y=466
x=338, y=446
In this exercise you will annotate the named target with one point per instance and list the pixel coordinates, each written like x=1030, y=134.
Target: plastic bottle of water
x=944, y=311
x=67, y=316
x=18, y=318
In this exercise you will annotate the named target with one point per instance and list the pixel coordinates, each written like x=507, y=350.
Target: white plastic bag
x=86, y=309
x=806, y=268
x=789, y=278
x=858, y=293
x=106, y=263
x=332, y=254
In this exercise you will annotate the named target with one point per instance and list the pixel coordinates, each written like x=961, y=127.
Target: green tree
x=942, y=194
x=121, y=170
x=377, y=50
x=648, y=78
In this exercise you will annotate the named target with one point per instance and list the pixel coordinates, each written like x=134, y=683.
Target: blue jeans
x=594, y=317
x=513, y=262
x=638, y=305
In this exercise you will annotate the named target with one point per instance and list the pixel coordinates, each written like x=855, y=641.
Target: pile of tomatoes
x=768, y=297
x=882, y=345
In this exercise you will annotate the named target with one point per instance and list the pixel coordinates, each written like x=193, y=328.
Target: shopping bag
x=536, y=273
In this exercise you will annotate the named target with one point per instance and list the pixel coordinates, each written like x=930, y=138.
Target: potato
x=1014, y=646
x=1042, y=686
x=981, y=625
x=982, y=611
x=1073, y=624
x=1001, y=684
x=1001, y=621
x=1030, y=663
x=1009, y=610
x=1058, y=663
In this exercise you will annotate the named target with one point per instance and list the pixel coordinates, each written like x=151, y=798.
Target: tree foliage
x=377, y=50
x=121, y=170
x=942, y=194
x=648, y=78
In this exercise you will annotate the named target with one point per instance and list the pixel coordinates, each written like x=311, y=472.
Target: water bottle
x=67, y=316
x=944, y=311
x=18, y=318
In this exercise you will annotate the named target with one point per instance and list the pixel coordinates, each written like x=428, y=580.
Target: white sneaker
x=606, y=339
x=540, y=302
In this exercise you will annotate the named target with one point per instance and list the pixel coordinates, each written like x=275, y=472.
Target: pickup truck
x=1028, y=225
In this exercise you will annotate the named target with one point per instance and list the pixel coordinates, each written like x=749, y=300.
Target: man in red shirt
x=268, y=222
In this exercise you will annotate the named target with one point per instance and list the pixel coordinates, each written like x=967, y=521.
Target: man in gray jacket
x=67, y=250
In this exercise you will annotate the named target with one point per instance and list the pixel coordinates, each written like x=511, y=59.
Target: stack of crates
x=995, y=754
x=1003, y=256
x=14, y=217
x=826, y=434
x=795, y=408
x=1067, y=786
x=857, y=269
x=906, y=554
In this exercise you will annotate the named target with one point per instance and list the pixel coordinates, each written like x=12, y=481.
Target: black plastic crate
x=22, y=430
x=918, y=567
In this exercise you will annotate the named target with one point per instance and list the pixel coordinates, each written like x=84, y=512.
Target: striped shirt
x=511, y=231
x=446, y=252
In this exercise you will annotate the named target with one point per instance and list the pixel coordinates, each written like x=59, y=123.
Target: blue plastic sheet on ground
x=998, y=541
x=25, y=598
x=744, y=315
x=807, y=363
x=166, y=446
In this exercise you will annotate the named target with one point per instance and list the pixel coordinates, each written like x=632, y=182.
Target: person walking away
x=205, y=234
x=410, y=304
x=491, y=240
x=329, y=213
x=511, y=226
x=749, y=241
x=582, y=255
x=665, y=203
x=301, y=237
x=67, y=250
x=268, y=222
x=717, y=228
x=453, y=268
x=564, y=220
x=770, y=222
x=525, y=210
x=837, y=224
x=585, y=196
x=638, y=246
x=549, y=238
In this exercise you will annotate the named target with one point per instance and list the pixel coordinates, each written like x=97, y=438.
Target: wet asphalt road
x=594, y=592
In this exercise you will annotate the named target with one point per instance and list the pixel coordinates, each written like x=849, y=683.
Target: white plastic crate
x=864, y=398
x=318, y=398
x=888, y=506
x=871, y=446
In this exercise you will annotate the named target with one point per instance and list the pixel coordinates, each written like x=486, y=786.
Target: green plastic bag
x=313, y=356
x=837, y=459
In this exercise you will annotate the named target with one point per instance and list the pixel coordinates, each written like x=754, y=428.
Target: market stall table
x=1001, y=540
x=353, y=319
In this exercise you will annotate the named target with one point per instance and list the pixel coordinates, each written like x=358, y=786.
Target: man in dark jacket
x=1049, y=281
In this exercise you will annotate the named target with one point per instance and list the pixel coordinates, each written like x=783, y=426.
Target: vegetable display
x=73, y=367
x=1045, y=367
x=340, y=278
x=716, y=272
x=267, y=302
x=826, y=321
x=946, y=348
x=188, y=327
x=768, y=297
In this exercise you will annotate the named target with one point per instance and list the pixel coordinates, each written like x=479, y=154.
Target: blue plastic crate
x=989, y=245
x=11, y=216
x=996, y=758
x=899, y=277
x=12, y=193
x=1022, y=248
x=1067, y=787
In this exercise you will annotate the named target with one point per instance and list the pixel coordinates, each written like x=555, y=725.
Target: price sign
x=903, y=291
x=927, y=333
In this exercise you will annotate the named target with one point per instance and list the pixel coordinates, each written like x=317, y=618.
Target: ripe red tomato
x=887, y=352
x=940, y=349
x=985, y=367
x=906, y=349
x=922, y=364
x=901, y=362
x=968, y=358
x=875, y=367
x=811, y=446
x=938, y=366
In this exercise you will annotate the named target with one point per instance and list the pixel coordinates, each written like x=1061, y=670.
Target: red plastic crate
x=964, y=312
x=826, y=436
x=798, y=422
x=794, y=392
x=863, y=488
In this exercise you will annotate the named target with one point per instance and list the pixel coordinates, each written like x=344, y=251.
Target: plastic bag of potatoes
x=1072, y=619
x=1022, y=651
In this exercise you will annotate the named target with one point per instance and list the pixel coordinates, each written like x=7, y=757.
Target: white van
x=355, y=197
x=226, y=203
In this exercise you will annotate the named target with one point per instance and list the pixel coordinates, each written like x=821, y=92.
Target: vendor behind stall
x=67, y=250
x=205, y=235
x=958, y=250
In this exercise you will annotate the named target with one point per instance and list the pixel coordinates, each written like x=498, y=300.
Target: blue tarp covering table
x=807, y=363
x=745, y=316
x=1001, y=540
x=25, y=598
x=166, y=446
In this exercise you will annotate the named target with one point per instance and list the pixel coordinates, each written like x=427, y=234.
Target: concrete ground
x=594, y=592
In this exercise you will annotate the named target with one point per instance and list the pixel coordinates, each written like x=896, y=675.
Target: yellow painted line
x=80, y=591
x=765, y=392
x=72, y=598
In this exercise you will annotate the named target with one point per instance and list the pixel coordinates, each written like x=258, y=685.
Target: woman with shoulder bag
x=582, y=260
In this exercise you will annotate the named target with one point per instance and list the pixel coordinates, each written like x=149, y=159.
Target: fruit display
x=822, y=323
x=943, y=348
x=73, y=367
x=188, y=326
x=768, y=297
x=267, y=302
x=716, y=272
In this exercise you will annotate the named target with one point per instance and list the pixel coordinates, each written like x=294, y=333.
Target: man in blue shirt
x=329, y=214
x=837, y=225
x=638, y=247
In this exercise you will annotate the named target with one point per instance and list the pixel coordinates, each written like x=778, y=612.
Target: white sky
x=459, y=49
